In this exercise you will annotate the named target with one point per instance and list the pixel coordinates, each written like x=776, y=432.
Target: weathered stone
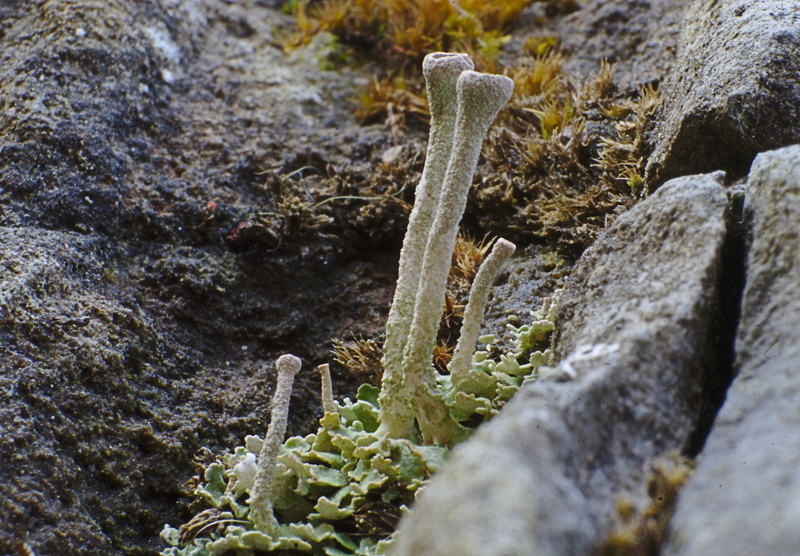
x=130, y=336
x=70, y=345
x=735, y=89
x=744, y=496
x=639, y=38
x=544, y=476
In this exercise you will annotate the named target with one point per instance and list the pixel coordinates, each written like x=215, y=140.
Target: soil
x=160, y=163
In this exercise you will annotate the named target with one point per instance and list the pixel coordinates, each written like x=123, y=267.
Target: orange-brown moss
x=563, y=161
x=409, y=29
x=642, y=532
x=565, y=157
x=361, y=357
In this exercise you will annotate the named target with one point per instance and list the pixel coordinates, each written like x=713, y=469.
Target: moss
x=322, y=207
x=566, y=157
x=642, y=531
x=407, y=30
x=395, y=35
x=361, y=357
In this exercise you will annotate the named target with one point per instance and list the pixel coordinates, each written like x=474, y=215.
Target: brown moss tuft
x=564, y=158
x=406, y=30
x=361, y=357
x=399, y=33
x=391, y=100
x=642, y=533
x=621, y=159
x=442, y=355
x=467, y=258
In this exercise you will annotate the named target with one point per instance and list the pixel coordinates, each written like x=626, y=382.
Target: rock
x=743, y=498
x=73, y=349
x=734, y=91
x=130, y=335
x=544, y=476
x=639, y=38
x=157, y=160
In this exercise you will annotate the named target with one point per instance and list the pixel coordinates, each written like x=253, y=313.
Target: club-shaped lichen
x=261, y=497
x=328, y=401
x=479, y=98
x=441, y=70
x=341, y=490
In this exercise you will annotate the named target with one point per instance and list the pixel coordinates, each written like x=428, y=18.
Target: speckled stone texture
x=745, y=495
x=734, y=90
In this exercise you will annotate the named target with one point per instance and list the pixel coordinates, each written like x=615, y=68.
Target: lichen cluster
x=341, y=490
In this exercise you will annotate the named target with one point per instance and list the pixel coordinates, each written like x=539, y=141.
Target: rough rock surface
x=638, y=314
x=131, y=335
x=734, y=91
x=743, y=498
x=80, y=414
x=639, y=37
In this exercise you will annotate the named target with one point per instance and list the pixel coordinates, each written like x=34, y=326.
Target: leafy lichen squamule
x=330, y=488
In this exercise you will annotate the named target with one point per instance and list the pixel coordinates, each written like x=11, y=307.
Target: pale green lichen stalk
x=328, y=402
x=261, y=498
x=340, y=491
x=473, y=314
x=441, y=71
x=412, y=389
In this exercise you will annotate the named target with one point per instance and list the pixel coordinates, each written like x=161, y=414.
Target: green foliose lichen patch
x=342, y=490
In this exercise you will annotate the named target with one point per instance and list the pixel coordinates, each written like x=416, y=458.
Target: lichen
x=358, y=473
x=341, y=490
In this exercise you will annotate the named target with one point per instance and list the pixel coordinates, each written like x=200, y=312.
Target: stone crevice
x=725, y=322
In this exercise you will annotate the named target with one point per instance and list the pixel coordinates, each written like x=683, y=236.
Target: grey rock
x=543, y=477
x=639, y=38
x=130, y=334
x=745, y=495
x=735, y=89
x=69, y=343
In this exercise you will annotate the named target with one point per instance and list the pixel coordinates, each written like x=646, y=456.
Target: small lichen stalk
x=261, y=498
x=328, y=401
x=473, y=314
